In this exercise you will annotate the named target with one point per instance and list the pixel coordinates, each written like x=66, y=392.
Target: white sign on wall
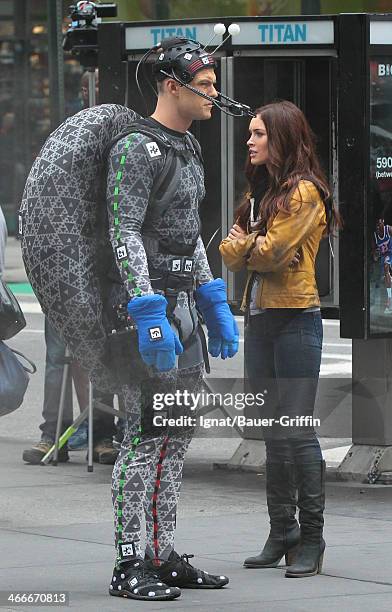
x=145, y=37
x=286, y=33
x=381, y=32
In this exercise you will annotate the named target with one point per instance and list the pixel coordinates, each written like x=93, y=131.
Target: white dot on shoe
x=135, y=590
x=222, y=577
x=119, y=587
x=114, y=578
x=151, y=594
x=200, y=580
x=111, y=586
x=174, y=574
x=122, y=576
x=136, y=565
x=167, y=591
x=159, y=584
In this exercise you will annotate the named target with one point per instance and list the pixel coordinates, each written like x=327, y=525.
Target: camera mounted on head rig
x=82, y=36
x=182, y=57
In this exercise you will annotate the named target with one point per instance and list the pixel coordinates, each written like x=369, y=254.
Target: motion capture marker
x=219, y=30
x=234, y=29
x=188, y=265
x=200, y=580
x=155, y=333
x=136, y=591
x=122, y=576
x=121, y=252
x=114, y=578
x=153, y=150
x=175, y=265
x=174, y=574
x=151, y=594
x=128, y=550
x=188, y=56
x=119, y=587
x=167, y=591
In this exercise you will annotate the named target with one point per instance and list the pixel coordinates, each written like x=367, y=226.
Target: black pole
x=56, y=61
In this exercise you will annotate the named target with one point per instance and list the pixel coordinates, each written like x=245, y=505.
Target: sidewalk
x=56, y=526
x=56, y=534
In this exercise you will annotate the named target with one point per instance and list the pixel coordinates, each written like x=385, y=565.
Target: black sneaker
x=136, y=581
x=177, y=571
x=37, y=452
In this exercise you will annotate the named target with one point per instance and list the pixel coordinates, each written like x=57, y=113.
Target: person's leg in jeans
x=280, y=479
x=54, y=368
x=298, y=356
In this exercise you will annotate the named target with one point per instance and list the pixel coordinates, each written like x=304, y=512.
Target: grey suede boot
x=284, y=534
x=311, y=503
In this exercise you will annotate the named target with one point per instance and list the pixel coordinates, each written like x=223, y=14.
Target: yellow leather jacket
x=298, y=229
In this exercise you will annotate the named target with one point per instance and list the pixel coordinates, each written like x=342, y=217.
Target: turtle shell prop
x=61, y=216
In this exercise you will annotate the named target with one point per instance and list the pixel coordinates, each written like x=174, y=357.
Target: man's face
x=192, y=106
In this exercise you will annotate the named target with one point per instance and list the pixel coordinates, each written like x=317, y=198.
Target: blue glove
x=158, y=344
x=223, y=334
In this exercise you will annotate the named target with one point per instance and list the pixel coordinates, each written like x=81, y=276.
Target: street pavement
x=56, y=527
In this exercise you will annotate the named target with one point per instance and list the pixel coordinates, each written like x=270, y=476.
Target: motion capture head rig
x=180, y=59
x=82, y=36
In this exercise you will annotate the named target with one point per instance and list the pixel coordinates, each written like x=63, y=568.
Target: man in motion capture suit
x=154, y=225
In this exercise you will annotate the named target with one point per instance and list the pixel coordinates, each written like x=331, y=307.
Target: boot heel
x=320, y=563
x=290, y=555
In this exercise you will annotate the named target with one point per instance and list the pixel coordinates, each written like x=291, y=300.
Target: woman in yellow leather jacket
x=276, y=236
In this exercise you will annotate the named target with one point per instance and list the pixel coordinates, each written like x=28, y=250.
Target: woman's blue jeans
x=283, y=357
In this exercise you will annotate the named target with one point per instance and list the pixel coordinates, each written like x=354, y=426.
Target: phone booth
x=287, y=58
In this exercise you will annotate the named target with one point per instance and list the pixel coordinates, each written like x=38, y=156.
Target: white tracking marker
x=233, y=30
x=219, y=30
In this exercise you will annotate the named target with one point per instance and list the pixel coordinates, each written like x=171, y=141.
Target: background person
x=287, y=211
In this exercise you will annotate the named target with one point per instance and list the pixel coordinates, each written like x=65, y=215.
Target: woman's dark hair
x=291, y=158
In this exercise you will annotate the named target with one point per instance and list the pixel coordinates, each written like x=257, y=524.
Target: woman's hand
x=295, y=260
x=236, y=232
x=254, y=254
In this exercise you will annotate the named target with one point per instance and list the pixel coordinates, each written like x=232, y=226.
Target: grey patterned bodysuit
x=149, y=236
